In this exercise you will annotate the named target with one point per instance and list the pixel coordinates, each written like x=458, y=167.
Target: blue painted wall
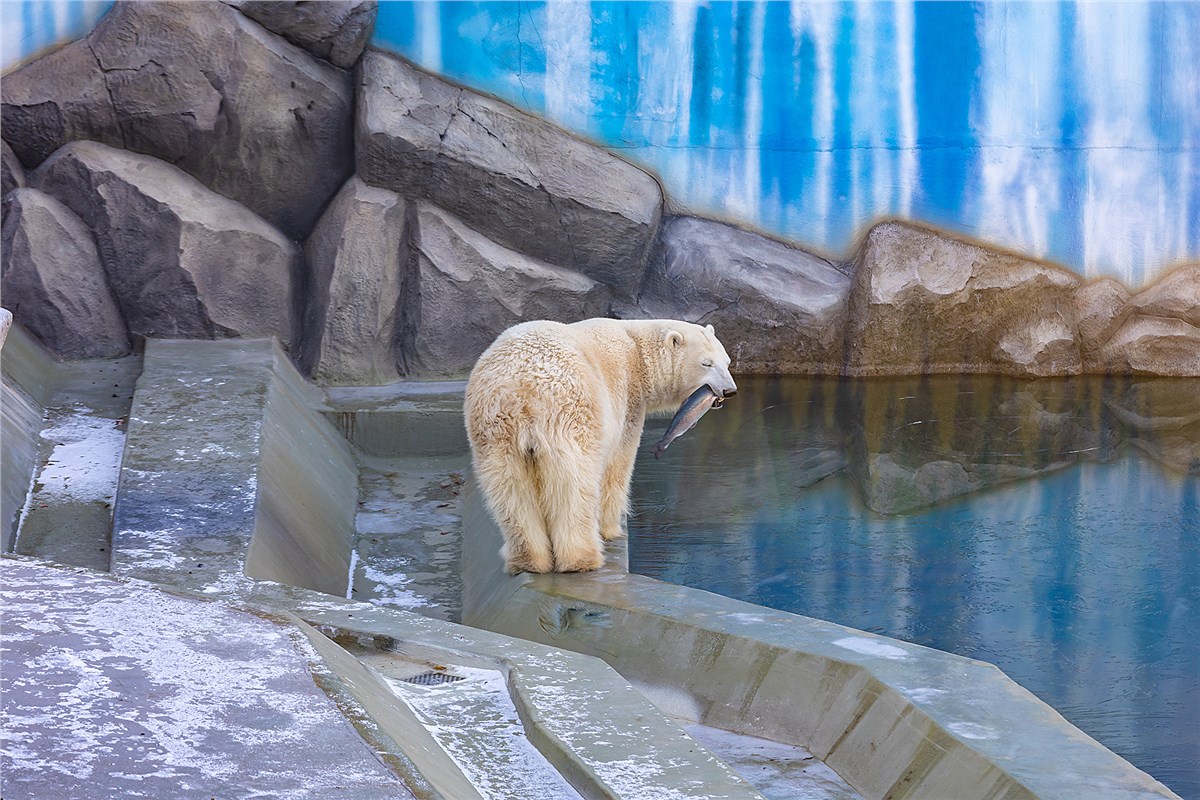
x=1066, y=130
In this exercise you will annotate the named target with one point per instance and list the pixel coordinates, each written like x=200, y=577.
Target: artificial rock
x=1175, y=295
x=1101, y=307
x=335, y=30
x=781, y=310
x=1152, y=345
x=53, y=280
x=926, y=302
x=513, y=177
x=203, y=87
x=182, y=261
x=356, y=259
x=12, y=173
x=466, y=289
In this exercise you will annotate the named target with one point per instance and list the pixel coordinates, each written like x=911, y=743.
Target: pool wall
x=28, y=374
x=893, y=719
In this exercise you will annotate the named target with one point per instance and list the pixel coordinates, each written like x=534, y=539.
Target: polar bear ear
x=673, y=339
x=710, y=329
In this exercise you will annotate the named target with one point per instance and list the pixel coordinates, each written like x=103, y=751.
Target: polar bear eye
x=706, y=362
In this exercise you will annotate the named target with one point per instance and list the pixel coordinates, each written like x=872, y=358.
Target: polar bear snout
x=723, y=386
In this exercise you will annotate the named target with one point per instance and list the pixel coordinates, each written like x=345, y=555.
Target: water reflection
x=1050, y=527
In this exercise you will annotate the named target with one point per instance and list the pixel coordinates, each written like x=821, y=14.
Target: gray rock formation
x=53, y=281
x=12, y=173
x=335, y=30
x=183, y=261
x=513, y=177
x=203, y=87
x=466, y=289
x=925, y=302
x=356, y=259
x=779, y=309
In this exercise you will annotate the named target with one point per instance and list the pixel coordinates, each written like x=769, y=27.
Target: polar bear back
x=571, y=382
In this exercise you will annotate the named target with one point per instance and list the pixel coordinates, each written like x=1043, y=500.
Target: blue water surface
x=1052, y=529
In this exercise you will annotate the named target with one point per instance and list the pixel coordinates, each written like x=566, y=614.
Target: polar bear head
x=694, y=358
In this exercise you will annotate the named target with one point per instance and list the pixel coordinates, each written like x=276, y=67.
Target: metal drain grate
x=433, y=678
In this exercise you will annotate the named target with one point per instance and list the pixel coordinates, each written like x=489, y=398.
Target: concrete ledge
x=231, y=473
x=28, y=378
x=893, y=719
x=227, y=452
x=404, y=418
x=577, y=710
x=118, y=688
x=307, y=490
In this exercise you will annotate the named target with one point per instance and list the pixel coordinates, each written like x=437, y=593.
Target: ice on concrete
x=117, y=689
x=476, y=723
x=85, y=460
x=779, y=771
x=872, y=647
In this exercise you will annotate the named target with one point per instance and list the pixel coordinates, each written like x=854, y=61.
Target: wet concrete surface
x=409, y=534
x=115, y=689
x=68, y=512
x=780, y=771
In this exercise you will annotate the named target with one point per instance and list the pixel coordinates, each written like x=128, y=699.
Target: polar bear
x=554, y=413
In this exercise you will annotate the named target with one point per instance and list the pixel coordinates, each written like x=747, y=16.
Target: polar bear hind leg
x=570, y=494
x=509, y=482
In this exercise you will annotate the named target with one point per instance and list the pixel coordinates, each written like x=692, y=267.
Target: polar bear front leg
x=614, y=492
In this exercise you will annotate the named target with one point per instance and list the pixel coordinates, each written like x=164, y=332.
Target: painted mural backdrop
x=1064, y=130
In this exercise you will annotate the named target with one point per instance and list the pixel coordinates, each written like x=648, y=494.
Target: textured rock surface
x=1153, y=346
x=1101, y=307
x=335, y=30
x=779, y=309
x=926, y=302
x=53, y=280
x=12, y=173
x=356, y=262
x=183, y=261
x=1158, y=332
x=511, y=176
x=1175, y=295
x=205, y=88
x=467, y=289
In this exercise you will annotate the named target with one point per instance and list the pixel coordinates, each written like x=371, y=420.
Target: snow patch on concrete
x=477, y=725
x=390, y=588
x=775, y=769
x=871, y=647
x=970, y=730
x=120, y=690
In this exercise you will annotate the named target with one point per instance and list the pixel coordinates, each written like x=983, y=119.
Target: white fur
x=554, y=414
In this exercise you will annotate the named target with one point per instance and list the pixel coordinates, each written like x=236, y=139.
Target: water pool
x=1049, y=527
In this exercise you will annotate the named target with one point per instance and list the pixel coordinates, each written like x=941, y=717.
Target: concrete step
x=471, y=716
x=73, y=439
